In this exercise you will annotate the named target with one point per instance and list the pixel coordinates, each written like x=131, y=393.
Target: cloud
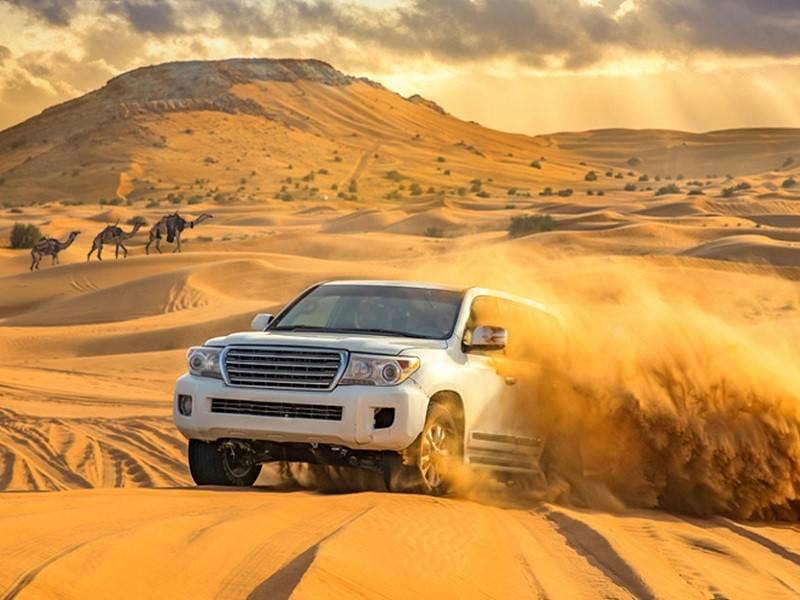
x=5, y=54
x=570, y=34
x=55, y=12
x=156, y=16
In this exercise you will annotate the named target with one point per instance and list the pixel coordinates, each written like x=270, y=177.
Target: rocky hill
x=258, y=129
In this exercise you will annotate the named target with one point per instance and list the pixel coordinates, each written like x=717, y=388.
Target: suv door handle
x=510, y=380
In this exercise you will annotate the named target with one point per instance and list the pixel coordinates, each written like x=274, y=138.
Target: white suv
x=401, y=378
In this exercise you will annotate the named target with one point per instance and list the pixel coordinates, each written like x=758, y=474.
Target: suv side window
x=532, y=333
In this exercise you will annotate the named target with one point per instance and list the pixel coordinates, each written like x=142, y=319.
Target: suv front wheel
x=430, y=460
x=212, y=464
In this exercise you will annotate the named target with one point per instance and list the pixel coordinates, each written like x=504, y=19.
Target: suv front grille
x=283, y=367
x=276, y=409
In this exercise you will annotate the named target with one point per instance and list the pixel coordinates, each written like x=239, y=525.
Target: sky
x=531, y=66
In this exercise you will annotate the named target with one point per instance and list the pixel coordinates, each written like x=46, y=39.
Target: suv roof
x=396, y=283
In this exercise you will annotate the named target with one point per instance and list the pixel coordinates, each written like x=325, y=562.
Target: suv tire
x=428, y=464
x=209, y=464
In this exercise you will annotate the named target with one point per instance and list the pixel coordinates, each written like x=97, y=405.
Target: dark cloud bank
x=528, y=31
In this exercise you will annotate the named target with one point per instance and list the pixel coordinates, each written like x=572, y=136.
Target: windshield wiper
x=383, y=332
x=299, y=328
x=372, y=330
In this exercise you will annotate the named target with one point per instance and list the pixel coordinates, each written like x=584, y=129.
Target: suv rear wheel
x=212, y=464
x=430, y=459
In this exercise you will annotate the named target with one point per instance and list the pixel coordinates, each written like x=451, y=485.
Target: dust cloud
x=678, y=386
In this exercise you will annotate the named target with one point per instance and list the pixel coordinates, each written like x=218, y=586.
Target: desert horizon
x=170, y=205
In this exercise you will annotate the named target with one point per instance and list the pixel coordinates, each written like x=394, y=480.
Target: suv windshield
x=374, y=309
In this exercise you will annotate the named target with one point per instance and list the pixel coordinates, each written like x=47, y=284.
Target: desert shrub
x=210, y=160
x=434, y=232
x=729, y=192
x=601, y=193
x=462, y=191
x=526, y=224
x=24, y=235
x=789, y=183
x=630, y=187
x=695, y=192
x=337, y=159
x=431, y=190
x=644, y=177
x=634, y=161
x=353, y=187
x=590, y=176
x=447, y=171
x=512, y=191
x=320, y=171
x=565, y=192
x=194, y=200
x=609, y=173
x=415, y=189
x=285, y=196
x=483, y=194
x=788, y=162
x=536, y=164
x=137, y=219
x=548, y=191
x=394, y=175
x=204, y=238
x=475, y=186
x=152, y=203
x=590, y=192
x=15, y=210
x=441, y=159
x=618, y=176
x=668, y=189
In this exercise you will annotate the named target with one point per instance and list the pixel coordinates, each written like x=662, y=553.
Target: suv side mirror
x=487, y=337
x=260, y=321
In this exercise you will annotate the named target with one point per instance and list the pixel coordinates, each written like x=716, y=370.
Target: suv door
x=500, y=434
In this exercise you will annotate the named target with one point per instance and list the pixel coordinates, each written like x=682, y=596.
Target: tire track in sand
x=282, y=582
x=359, y=167
x=598, y=551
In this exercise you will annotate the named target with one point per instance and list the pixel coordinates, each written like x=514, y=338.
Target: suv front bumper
x=356, y=429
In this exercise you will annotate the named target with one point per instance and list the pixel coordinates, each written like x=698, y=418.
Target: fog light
x=384, y=417
x=185, y=405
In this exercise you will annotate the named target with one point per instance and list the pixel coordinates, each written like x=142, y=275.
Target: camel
x=171, y=227
x=112, y=234
x=50, y=247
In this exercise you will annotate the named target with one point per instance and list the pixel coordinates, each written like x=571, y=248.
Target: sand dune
x=374, y=545
x=750, y=248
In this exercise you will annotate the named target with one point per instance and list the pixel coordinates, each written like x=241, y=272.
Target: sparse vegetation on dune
x=24, y=235
x=668, y=189
x=521, y=225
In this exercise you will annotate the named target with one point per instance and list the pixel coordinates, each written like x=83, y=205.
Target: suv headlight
x=204, y=361
x=366, y=369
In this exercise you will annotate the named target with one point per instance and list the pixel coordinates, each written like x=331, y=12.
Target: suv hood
x=340, y=341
